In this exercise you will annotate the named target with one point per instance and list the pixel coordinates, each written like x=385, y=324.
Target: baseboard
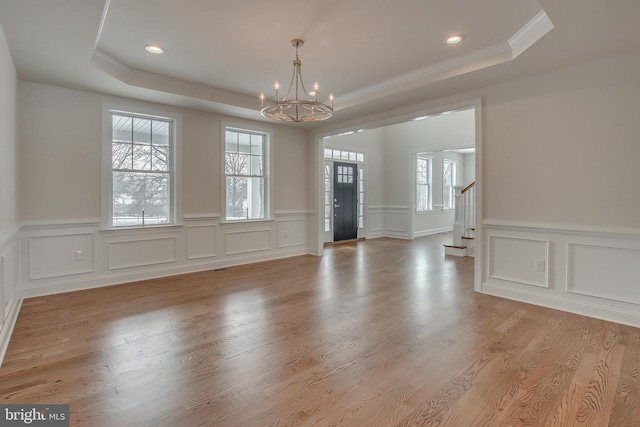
x=577, y=307
x=7, y=327
x=432, y=231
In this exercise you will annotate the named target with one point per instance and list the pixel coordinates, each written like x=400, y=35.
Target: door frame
x=326, y=236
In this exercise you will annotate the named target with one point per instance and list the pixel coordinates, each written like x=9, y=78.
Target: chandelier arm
x=302, y=83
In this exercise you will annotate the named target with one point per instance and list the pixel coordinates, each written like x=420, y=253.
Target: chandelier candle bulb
x=261, y=99
x=277, y=88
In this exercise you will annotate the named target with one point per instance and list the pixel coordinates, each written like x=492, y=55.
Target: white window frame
x=267, y=168
x=342, y=155
x=361, y=198
x=452, y=191
x=175, y=196
x=428, y=184
x=327, y=206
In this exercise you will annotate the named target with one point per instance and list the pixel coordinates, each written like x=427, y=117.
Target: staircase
x=464, y=226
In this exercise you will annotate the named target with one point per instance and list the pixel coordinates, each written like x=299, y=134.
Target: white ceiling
x=373, y=55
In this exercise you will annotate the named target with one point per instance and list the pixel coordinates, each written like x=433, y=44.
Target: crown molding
x=463, y=64
x=532, y=31
x=171, y=85
x=499, y=53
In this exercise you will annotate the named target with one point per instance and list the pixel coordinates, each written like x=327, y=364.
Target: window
x=327, y=197
x=246, y=173
x=448, y=184
x=141, y=157
x=343, y=155
x=423, y=183
x=361, y=197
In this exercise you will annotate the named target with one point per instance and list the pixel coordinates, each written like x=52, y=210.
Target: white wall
x=9, y=225
x=562, y=147
x=59, y=169
x=469, y=168
x=8, y=146
x=60, y=188
x=560, y=153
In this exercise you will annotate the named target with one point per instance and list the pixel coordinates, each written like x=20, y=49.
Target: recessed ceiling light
x=154, y=48
x=457, y=38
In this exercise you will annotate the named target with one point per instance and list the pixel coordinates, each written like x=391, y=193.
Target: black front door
x=345, y=201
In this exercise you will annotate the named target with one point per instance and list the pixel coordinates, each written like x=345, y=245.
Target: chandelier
x=287, y=109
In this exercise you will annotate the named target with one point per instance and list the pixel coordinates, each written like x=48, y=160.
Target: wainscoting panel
x=109, y=257
x=291, y=232
x=60, y=255
x=201, y=241
x=593, y=272
x=375, y=221
x=396, y=222
x=247, y=241
x=141, y=252
x=8, y=278
x=604, y=272
x=519, y=260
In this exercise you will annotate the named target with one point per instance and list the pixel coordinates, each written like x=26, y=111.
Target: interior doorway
x=391, y=146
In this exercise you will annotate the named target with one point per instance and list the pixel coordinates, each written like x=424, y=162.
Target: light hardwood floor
x=383, y=332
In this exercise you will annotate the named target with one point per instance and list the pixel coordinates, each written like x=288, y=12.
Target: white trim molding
x=593, y=271
x=7, y=327
x=110, y=257
x=10, y=276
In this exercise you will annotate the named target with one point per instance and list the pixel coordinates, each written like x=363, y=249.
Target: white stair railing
x=469, y=205
x=465, y=219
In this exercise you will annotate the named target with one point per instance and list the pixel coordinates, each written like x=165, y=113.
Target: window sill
x=141, y=230
x=227, y=223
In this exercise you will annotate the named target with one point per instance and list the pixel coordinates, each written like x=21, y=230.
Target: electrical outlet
x=540, y=266
x=79, y=255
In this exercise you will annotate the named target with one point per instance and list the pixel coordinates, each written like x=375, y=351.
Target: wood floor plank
x=380, y=332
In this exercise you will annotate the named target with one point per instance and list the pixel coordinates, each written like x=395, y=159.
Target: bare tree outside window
x=423, y=184
x=448, y=184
